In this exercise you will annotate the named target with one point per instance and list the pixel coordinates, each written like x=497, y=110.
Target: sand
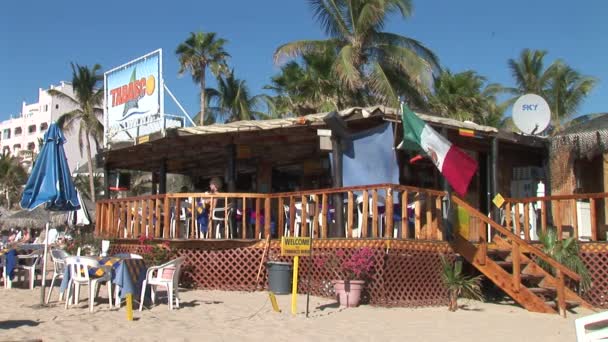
x=237, y=316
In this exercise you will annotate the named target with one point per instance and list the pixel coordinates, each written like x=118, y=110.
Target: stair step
x=531, y=277
x=508, y=263
x=542, y=290
x=569, y=304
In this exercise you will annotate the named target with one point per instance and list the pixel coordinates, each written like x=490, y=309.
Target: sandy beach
x=235, y=316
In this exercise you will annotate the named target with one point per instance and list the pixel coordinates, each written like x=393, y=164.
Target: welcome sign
x=133, y=98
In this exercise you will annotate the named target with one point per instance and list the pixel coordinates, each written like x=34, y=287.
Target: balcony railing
x=374, y=211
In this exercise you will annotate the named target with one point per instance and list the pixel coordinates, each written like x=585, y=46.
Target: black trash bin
x=279, y=277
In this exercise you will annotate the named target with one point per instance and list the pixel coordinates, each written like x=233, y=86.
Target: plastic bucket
x=279, y=277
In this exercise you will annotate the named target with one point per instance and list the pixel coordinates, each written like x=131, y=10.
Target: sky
x=39, y=39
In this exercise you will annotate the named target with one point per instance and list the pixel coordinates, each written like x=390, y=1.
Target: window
x=44, y=126
x=46, y=108
x=56, y=106
x=31, y=129
x=18, y=131
x=16, y=148
x=31, y=146
x=6, y=134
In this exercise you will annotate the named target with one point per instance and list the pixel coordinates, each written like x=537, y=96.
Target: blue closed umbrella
x=50, y=184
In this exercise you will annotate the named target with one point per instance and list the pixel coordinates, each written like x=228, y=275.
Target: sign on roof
x=133, y=99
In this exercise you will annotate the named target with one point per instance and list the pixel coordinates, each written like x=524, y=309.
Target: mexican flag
x=456, y=166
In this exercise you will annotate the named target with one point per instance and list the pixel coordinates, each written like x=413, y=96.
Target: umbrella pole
x=46, y=245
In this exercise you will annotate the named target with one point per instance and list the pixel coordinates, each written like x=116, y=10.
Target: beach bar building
x=282, y=179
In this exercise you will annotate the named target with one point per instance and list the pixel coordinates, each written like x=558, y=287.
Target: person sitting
x=27, y=236
x=12, y=236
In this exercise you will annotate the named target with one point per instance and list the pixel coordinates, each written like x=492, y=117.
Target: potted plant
x=351, y=273
x=458, y=284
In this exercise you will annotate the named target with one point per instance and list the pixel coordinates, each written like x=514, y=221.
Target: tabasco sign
x=133, y=98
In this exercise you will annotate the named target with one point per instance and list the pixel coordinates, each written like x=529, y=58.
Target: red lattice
x=406, y=273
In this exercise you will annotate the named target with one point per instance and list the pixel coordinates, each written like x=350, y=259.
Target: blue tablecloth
x=128, y=274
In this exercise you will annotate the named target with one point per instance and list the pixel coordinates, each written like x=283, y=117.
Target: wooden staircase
x=510, y=265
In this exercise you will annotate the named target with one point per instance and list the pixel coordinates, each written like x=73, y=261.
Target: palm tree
x=199, y=51
x=233, y=100
x=458, y=284
x=12, y=177
x=466, y=96
x=308, y=87
x=88, y=99
x=567, y=90
x=369, y=60
x=529, y=73
x=566, y=252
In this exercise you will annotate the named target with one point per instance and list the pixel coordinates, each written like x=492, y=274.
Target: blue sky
x=39, y=39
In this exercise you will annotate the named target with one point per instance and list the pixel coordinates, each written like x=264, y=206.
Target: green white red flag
x=457, y=167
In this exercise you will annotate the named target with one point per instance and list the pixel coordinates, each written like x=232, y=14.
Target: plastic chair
x=105, y=247
x=79, y=275
x=165, y=275
x=128, y=256
x=380, y=218
x=598, y=334
x=58, y=256
x=297, y=220
x=32, y=264
x=217, y=217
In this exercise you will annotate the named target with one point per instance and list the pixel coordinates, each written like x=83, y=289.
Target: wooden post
x=517, y=222
x=365, y=211
x=561, y=297
x=227, y=228
x=508, y=215
x=558, y=219
x=429, y=217
x=138, y=219
x=574, y=220
x=543, y=216
x=267, y=216
x=527, y=221
x=375, y=217
x=516, y=264
x=157, y=213
x=316, y=217
x=281, y=218
x=438, y=219
x=324, y=227
x=150, y=231
x=417, y=217
x=258, y=212
x=304, y=214
x=167, y=217
x=405, y=230
x=349, y=216
x=244, y=219
x=388, y=214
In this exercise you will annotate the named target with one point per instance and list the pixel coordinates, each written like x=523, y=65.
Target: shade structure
x=50, y=184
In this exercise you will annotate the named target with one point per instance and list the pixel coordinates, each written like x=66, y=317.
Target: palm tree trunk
x=202, y=115
x=90, y=167
x=8, y=199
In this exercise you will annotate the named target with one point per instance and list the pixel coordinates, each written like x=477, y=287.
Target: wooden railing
x=518, y=245
x=522, y=214
x=415, y=213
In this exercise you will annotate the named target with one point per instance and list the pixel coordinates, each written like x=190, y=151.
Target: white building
x=21, y=133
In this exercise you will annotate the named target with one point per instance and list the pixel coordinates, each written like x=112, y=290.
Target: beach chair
x=28, y=264
x=79, y=267
x=165, y=275
x=598, y=324
x=58, y=256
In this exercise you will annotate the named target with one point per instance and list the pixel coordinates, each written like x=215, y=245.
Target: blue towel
x=11, y=262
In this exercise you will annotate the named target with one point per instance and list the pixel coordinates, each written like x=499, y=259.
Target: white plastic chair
x=105, y=247
x=32, y=264
x=165, y=275
x=599, y=334
x=297, y=220
x=79, y=275
x=58, y=256
x=219, y=220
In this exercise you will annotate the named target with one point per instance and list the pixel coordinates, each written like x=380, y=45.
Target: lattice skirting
x=595, y=257
x=406, y=273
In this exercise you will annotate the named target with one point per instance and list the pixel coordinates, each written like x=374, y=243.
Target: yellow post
x=129, y=307
x=294, y=286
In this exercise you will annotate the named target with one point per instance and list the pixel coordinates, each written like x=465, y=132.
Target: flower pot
x=349, y=292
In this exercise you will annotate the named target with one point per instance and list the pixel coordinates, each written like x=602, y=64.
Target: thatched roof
x=587, y=138
x=38, y=217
